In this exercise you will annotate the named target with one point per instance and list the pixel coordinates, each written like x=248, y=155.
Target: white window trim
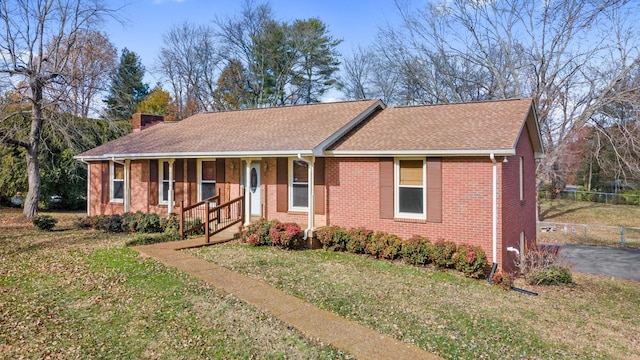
x=396, y=191
x=290, y=179
x=161, y=181
x=200, y=181
x=112, y=180
x=521, y=176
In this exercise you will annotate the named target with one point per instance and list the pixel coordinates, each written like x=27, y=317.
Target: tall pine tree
x=127, y=88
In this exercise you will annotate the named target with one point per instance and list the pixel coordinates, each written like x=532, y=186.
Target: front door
x=254, y=189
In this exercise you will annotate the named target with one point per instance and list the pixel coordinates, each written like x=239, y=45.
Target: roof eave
x=198, y=155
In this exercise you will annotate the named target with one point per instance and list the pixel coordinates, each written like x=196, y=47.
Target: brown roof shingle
x=464, y=127
x=261, y=131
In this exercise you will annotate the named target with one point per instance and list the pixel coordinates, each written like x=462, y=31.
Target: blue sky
x=354, y=21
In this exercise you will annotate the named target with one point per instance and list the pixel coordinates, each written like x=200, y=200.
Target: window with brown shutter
x=410, y=188
x=208, y=179
x=434, y=190
x=282, y=181
x=386, y=188
x=153, y=182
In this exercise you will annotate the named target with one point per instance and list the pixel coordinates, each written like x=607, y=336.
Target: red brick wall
x=519, y=216
x=353, y=197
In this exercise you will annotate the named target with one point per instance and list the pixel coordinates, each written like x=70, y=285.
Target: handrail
x=233, y=211
x=192, y=213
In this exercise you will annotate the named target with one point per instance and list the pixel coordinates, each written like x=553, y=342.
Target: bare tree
x=89, y=66
x=189, y=59
x=567, y=55
x=35, y=45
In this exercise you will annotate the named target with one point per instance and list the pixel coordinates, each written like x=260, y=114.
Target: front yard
x=83, y=294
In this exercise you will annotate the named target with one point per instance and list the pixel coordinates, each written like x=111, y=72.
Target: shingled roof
x=351, y=128
x=291, y=130
x=475, y=128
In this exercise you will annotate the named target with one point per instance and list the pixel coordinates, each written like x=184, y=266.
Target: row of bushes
x=418, y=250
x=137, y=222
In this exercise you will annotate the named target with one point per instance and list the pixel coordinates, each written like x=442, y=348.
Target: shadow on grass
x=554, y=210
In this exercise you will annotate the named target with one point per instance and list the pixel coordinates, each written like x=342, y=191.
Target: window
x=117, y=182
x=299, y=189
x=164, y=186
x=410, y=183
x=207, y=179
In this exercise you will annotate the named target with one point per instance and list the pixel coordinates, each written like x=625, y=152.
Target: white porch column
x=127, y=185
x=247, y=193
x=170, y=195
x=88, y=188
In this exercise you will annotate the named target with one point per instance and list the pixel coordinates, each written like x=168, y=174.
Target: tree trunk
x=33, y=164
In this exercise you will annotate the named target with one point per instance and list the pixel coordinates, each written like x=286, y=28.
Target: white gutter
x=495, y=209
x=310, y=196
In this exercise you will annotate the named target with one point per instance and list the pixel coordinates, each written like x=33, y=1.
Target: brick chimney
x=142, y=121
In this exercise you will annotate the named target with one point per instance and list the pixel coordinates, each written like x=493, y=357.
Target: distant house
x=462, y=172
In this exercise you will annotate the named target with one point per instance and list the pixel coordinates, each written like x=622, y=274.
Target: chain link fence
x=593, y=196
x=553, y=232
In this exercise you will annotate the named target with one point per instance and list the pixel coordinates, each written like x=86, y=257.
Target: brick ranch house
x=462, y=172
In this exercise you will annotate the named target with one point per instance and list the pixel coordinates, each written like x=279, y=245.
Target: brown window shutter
x=192, y=179
x=178, y=170
x=153, y=182
x=220, y=179
x=434, y=190
x=282, y=183
x=319, y=188
x=386, y=188
x=106, y=195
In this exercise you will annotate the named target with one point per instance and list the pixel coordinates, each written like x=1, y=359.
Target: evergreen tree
x=127, y=88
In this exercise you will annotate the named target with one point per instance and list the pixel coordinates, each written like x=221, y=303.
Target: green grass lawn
x=450, y=315
x=80, y=294
x=597, y=223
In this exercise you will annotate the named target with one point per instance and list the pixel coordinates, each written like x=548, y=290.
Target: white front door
x=254, y=189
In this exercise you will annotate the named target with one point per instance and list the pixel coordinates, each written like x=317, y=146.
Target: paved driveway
x=603, y=260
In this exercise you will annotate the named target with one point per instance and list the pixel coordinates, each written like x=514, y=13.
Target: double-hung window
x=117, y=182
x=207, y=179
x=299, y=186
x=410, y=184
x=164, y=186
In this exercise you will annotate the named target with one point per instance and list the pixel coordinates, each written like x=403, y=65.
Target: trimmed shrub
x=83, y=223
x=148, y=239
x=257, y=233
x=553, y=275
x=44, y=222
x=149, y=223
x=171, y=225
x=502, y=280
x=384, y=245
x=286, y=235
x=357, y=240
x=443, y=252
x=332, y=238
x=470, y=260
x=417, y=250
x=110, y=224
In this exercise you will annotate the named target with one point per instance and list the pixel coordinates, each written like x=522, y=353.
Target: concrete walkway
x=314, y=323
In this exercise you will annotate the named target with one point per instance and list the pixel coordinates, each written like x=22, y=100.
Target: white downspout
x=310, y=196
x=495, y=209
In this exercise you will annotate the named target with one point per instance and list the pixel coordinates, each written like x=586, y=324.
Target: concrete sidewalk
x=314, y=323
